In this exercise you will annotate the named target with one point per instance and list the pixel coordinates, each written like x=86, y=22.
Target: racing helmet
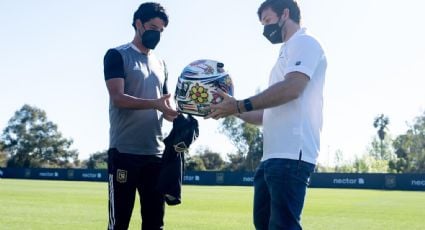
x=197, y=85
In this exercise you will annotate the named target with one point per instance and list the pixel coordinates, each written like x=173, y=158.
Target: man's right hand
x=163, y=104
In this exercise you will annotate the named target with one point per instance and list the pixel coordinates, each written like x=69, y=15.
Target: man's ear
x=285, y=14
x=139, y=24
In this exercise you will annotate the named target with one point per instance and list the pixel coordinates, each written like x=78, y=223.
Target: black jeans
x=128, y=172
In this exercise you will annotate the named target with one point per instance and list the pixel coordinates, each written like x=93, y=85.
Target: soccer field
x=58, y=205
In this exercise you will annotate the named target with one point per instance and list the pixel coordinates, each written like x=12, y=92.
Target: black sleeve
x=165, y=86
x=113, y=65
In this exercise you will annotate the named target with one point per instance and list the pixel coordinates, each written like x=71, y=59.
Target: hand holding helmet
x=199, y=85
x=227, y=107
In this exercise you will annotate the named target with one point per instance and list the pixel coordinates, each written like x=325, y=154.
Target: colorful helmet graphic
x=197, y=86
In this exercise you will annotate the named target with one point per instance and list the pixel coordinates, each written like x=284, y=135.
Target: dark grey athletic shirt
x=136, y=131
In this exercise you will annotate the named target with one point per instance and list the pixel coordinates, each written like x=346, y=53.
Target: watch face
x=197, y=87
x=247, y=104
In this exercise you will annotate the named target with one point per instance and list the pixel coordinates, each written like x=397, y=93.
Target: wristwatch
x=247, y=104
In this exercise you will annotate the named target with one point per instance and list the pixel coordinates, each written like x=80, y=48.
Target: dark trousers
x=279, y=191
x=128, y=173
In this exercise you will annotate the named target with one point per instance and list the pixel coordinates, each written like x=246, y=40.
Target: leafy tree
x=32, y=141
x=194, y=163
x=236, y=162
x=97, y=160
x=323, y=168
x=410, y=149
x=248, y=140
x=381, y=150
x=369, y=164
x=212, y=160
x=3, y=158
x=401, y=163
x=362, y=164
x=254, y=139
x=339, y=159
x=232, y=128
x=341, y=164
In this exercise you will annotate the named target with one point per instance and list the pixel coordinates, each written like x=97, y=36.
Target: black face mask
x=273, y=33
x=150, y=38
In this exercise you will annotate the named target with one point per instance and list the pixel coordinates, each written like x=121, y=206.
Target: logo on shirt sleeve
x=298, y=63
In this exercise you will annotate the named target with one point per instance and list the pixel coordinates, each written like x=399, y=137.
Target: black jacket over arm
x=185, y=131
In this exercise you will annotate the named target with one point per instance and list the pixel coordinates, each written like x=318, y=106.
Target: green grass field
x=59, y=205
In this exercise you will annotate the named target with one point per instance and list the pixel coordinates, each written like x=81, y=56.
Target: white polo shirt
x=296, y=126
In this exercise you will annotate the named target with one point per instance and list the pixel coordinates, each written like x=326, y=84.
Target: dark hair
x=150, y=10
x=279, y=5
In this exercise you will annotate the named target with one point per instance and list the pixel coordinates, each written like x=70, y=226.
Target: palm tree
x=381, y=123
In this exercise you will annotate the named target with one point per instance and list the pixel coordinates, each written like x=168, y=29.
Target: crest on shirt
x=137, y=67
x=298, y=63
x=121, y=176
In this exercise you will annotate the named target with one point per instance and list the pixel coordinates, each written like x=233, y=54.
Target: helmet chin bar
x=198, y=84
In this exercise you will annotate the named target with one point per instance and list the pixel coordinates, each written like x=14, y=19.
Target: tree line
x=30, y=140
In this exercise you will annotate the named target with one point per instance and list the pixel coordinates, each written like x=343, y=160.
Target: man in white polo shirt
x=290, y=110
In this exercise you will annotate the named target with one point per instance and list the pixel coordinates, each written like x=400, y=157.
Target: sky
x=51, y=57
